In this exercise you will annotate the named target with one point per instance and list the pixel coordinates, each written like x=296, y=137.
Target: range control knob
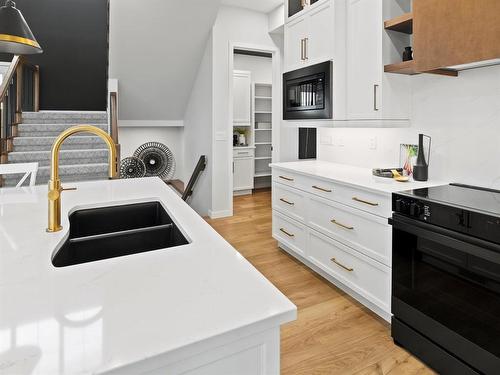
x=402, y=206
x=415, y=209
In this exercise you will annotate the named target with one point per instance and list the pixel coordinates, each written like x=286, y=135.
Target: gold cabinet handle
x=349, y=269
x=286, y=178
x=306, y=49
x=375, y=91
x=321, y=189
x=287, y=202
x=287, y=233
x=365, y=202
x=302, y=49
x=341, y=225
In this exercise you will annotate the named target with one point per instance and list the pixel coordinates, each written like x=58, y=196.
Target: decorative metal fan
x=158, y=158
x=132, y=167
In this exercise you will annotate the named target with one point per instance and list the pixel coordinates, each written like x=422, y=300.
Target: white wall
x=131, y=138
x=236, y=25
x=198, y=124
x=461, y=114
x=261, y=67
x=155, y=48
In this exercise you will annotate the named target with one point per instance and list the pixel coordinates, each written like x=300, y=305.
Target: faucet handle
x=68, y=189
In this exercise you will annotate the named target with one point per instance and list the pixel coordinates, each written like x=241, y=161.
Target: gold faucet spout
x=55, y=187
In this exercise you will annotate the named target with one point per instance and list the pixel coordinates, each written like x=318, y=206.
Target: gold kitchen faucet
x=55, y=188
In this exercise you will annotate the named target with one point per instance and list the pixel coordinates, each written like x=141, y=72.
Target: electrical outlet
x=372, y=143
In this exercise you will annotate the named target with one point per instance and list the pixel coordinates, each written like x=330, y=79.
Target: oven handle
x=462, y=242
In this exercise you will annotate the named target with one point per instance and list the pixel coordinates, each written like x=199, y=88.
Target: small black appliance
x=307, y=93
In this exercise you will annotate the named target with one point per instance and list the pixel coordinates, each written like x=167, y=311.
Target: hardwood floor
x=333, y=334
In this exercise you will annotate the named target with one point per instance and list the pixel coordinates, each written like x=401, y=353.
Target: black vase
x=407, y=54
x=421, y=167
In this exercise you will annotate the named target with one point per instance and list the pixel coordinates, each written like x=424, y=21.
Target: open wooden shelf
x=404, y=67
x=408, y=68
x=403, y=23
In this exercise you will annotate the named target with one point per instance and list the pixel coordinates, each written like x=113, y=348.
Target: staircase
x=83, y=156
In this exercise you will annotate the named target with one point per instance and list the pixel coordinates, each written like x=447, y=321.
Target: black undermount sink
x=109, y=232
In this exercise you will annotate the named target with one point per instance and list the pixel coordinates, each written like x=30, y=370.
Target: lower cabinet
x=243, y=171
x=349, y=246
x=366, y=277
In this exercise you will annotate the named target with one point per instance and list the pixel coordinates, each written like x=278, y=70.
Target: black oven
x=446, y=292
x=307, y=93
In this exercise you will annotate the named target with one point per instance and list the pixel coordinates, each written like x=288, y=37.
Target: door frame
x=276, y=104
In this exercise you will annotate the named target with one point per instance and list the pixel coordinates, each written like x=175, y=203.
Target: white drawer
x=375, y=203
x=290, y=232
x=367, y=233
x=243, y=153
x=363, y=275
x=290, y=201
x=287, y=178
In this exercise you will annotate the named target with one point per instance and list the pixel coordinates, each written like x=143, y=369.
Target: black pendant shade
x=15, y=34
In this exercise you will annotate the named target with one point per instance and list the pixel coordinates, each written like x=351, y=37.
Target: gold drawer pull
x=286, y=178
x=287, y=233
x=321, y=189
x=349, y=269
x=365, y=202
x=341, y=225
x=287, y=202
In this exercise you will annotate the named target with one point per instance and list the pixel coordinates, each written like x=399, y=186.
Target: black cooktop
x=470, y=198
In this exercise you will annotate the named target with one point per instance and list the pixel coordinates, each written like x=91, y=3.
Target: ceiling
x=264, y=6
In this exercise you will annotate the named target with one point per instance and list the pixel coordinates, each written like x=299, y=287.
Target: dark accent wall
x=74, y=65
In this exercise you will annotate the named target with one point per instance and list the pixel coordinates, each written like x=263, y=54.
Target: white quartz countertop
x=101, y=316
x=351, y=175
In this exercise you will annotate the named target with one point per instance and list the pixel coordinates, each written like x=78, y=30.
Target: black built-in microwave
x=307, y=93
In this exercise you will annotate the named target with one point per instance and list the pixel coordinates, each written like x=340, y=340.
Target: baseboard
x=237, y=193
x=219, y=214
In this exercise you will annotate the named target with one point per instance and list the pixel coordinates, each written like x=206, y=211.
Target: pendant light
x=15, y=34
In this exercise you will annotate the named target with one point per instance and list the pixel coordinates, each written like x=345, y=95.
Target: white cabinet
x=371, y=93
x=320, y=42
x=338, y=230
x=309, y=39
x=295, y=39
x=243, y=173
x=364, y=54
x=242, y=98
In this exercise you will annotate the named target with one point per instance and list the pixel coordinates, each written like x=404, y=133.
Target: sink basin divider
x=120, y=233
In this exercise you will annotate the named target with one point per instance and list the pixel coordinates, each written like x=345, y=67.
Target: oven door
x=307, y=93
x=446, y=286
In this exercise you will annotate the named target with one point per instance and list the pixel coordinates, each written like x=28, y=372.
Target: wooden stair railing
x=113, y=116
x=19, y=91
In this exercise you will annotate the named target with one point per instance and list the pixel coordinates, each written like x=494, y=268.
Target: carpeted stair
x=83, y=156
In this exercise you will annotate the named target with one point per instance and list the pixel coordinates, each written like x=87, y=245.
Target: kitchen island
x=199, y=308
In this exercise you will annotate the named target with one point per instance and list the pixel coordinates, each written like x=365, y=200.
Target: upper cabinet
x=242, y=98
x=309, y=39
x=456, y=34
x=371, y=93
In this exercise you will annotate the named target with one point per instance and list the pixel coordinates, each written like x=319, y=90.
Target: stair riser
x=27, y=148
x=46, y=163
x=50, y=130
x=64, y=118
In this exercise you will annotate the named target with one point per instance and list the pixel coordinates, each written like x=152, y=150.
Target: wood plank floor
x=333, y=334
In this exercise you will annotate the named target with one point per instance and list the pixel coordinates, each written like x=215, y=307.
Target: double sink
x=110, y=232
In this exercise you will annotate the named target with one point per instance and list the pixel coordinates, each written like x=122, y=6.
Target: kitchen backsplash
x=461, y=114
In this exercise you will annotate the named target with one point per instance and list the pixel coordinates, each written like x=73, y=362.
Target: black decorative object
x=132, y=167
x=158, y=159
x=421, y=167
x=407, y=54
x=15, y=35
